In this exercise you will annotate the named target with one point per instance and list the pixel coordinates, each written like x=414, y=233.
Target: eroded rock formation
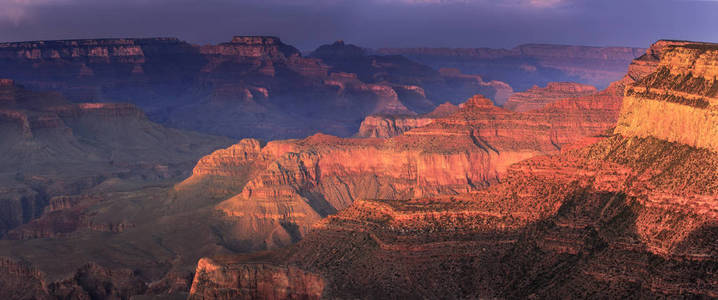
x=537, y=97
x=624, y=215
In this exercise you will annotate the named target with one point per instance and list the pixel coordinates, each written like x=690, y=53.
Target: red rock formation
x=537, y=97
x=280, y=189
x=386, y=126
x=684, y=85
x=627, y=216
x=254, y=282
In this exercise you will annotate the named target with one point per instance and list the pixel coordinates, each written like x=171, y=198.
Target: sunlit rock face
x=389, y=125
x=619, y=216
x=279, y=189
x=537, y=97
x=215, y=281
x=533, y=64
x=685, y=85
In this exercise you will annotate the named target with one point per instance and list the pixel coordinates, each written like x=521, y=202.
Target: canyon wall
x=684, y=85
x=619, y=216
x=537, y=97
x=280, y=189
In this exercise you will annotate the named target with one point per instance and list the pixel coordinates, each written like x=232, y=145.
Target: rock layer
x=623, y=216
x=537, y=97
x=685, y=85
x=282, y=188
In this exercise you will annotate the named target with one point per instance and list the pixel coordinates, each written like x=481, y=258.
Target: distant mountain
x=532, y=64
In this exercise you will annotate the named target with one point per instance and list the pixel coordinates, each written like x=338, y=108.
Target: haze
x=375, y=23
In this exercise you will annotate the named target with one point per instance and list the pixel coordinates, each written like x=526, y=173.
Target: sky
x=307, y=24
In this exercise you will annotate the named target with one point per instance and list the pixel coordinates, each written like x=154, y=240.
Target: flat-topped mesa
x=678, y=102
x=253, y=46
x=477, y=102
x=538, y=97
x=89, y=48
x=103, y=110
x=5, y=83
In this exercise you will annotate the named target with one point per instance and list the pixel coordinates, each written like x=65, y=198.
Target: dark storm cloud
x=374, y=23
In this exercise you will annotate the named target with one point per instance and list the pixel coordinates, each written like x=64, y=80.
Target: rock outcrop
x=537, y=97
x=386, y=126
x=684, y=85
x=254, y=282
x=621, y=216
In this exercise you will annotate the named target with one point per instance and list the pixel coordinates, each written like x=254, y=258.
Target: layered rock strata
x=625, y=215
x=537, y=97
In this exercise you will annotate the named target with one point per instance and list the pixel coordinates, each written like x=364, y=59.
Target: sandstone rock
x=684, y=85
x=386, y=126
x=537, y=97
x=254, y=282
x=282, y=188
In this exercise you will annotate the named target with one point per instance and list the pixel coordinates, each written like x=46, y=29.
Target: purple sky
x=370, y=23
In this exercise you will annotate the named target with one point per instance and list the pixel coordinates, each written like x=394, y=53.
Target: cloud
x=17, y=10
x=545, y=3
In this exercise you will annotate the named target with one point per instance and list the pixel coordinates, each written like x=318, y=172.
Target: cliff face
x=533, y=64
x=259, y=281
x=623, y=216
x=537, y=97
x=386, y=126
x=282, y=188
x=684, y=85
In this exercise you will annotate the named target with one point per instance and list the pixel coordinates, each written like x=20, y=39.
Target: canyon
x=251, y=86
x=431, y=197
x=629, y=213
x=260, y=87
